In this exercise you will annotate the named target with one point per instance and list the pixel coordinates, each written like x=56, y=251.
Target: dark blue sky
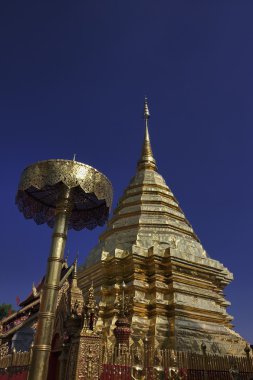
x=73, y=75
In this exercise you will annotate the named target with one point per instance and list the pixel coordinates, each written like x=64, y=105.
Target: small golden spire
x=75, y=269
x=74, y=276
x=147, y=160
x=146, y=110
x=34, y=290
x=123, y=297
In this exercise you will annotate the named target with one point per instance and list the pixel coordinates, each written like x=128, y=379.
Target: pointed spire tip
x=147, y=159
x=146, y=109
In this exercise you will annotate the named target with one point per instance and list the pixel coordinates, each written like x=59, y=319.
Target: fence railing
x=151, y=364
x=15, y=365
x=141, y=362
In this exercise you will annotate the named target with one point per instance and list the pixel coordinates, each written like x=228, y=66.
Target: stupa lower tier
x=175, y=298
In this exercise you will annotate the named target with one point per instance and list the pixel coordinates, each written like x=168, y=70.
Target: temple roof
x=30, y=305
x=35, y=293
x=148, y=212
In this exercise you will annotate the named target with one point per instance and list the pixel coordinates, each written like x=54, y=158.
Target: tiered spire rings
x=147, y=160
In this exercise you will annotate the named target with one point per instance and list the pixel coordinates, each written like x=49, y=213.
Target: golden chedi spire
x=175, y=289
x=74, y=276
x=147, y=213
x=147, y=160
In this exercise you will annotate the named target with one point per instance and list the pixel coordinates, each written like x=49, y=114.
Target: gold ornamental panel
x=42, y=183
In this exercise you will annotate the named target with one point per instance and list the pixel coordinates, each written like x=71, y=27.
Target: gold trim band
x=42, y=347
x=57, y=259
x=60, y=235
x=47, y=314
x=51, y=286
x=157, y=225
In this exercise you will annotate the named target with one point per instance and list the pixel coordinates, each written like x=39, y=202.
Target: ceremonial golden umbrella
x=64, y=194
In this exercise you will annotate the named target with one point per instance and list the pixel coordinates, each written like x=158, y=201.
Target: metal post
x=203, y=349
x=43, y=338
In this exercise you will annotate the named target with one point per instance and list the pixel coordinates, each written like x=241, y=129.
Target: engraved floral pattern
x=41, y=185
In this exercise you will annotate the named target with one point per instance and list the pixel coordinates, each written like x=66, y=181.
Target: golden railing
x=15, y=362
x=149, y=363
x=146, y=363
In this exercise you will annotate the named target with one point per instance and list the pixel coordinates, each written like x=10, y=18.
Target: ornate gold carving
x=90, y=312
x=63, y=292
x=4, y=349
x=15, y=360
x=89, y=360
x=85, y=358
x=91, y=193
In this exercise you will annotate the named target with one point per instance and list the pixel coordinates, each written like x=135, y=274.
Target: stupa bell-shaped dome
x=148, y=212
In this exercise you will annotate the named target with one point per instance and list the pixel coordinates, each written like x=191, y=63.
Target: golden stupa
x=174, y=289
